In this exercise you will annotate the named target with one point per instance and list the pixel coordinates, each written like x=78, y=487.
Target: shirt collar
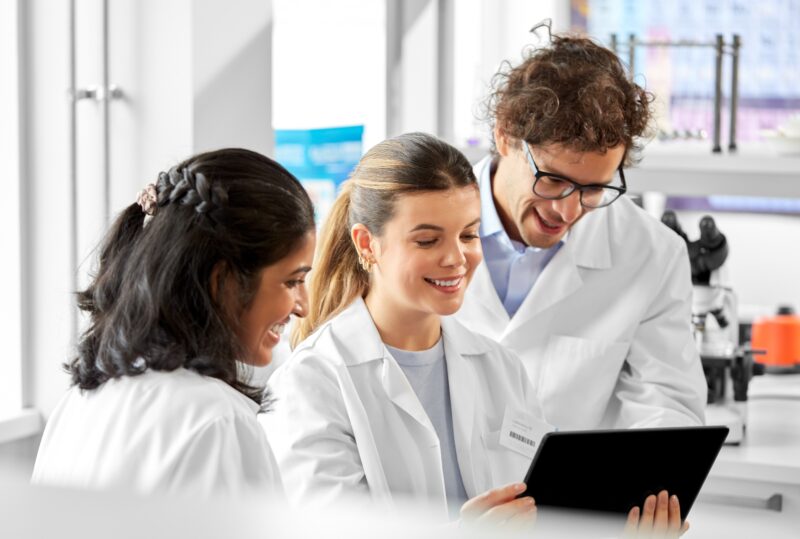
x=490, y=220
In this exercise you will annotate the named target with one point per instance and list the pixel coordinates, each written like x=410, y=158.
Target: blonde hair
x=406, y=164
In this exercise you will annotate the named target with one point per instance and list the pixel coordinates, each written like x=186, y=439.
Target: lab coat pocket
x=578, y=379
x=505, y=465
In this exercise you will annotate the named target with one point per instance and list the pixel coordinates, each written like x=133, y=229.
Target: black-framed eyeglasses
x=554, y=186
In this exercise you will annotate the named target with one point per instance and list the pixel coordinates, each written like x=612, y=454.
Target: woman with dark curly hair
x=196, y=282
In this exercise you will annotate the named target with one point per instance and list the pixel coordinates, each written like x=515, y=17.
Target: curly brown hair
x=572, y=92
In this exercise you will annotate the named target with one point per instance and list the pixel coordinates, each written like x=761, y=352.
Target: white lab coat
x=346, y=420
x=605, y=333
x=158, y=432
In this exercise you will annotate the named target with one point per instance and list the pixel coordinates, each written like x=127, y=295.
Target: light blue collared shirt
x=513, y=266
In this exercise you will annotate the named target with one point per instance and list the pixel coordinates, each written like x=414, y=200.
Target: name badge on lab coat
x=522, y=432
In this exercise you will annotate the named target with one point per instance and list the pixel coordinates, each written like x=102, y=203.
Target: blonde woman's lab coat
x=175, y=432
x=605, y=333
x=345, y=419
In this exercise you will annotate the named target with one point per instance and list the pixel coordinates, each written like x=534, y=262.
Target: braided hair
x=150, y=302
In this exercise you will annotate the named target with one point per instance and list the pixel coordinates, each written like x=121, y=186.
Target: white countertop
x=771, y=448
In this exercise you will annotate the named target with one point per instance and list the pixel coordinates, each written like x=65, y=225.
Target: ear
x=501, y=142
x=222, y=284
x=362, y=239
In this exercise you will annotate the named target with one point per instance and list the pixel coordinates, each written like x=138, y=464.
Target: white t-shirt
x=166, y=432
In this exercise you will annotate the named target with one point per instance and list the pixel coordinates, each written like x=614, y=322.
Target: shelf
x=692, y=170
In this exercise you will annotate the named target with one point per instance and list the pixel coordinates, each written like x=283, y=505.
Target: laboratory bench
x=754, y=487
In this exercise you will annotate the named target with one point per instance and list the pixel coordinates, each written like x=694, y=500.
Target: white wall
x=329, y=61
x=230, y=48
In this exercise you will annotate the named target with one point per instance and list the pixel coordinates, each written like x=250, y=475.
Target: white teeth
x=277, y=329
x=437, y=282
x=551, y=225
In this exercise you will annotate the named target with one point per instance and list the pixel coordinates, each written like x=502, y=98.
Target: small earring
x=366, y=264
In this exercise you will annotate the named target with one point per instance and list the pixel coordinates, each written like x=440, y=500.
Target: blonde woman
x=387, y=394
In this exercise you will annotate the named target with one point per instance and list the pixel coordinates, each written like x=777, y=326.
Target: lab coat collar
x=588, y=248
x=362, y=342
x=590, y=241
x=358, y=335
x=461, y=340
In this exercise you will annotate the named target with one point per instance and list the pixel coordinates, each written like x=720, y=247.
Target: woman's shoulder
x=348, y=336
x=212, y=394
x=313, y=359
x=181, y=395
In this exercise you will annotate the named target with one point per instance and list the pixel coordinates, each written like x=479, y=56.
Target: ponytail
x=102, y=294
x=403, y=165
x=151, y=303
x=337, y=279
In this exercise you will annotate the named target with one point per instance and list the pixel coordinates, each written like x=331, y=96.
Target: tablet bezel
x=712, y=436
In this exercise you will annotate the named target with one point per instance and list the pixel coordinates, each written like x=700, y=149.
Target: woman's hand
x=500, y=506
x=660, y=517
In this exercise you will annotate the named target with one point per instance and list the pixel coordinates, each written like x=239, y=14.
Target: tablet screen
x=614, y=470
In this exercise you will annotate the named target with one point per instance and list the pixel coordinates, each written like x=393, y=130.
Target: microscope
x=728, y=366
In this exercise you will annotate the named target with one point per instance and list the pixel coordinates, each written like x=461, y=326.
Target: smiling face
x=428, y=252
x=531, y=219
x=281, y=292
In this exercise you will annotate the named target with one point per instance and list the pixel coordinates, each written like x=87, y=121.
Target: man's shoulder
x=632, y=228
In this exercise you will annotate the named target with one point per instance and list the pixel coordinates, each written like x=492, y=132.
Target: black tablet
x=614, y=470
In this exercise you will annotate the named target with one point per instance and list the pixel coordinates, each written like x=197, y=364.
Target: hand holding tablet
x=660, y=515
x=618, y=470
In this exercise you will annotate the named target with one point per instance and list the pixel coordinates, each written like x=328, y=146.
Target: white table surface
x=771, y=448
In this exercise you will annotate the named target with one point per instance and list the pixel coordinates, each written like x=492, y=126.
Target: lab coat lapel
x=587, y=247
x=402, y=394
x=483, y=303
x=560, y=279
x=460, y=345
x=361, y=342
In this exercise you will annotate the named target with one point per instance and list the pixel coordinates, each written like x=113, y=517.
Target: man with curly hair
x=590, y=291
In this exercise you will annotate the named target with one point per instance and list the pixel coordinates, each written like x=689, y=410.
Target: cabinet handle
x=772, y=503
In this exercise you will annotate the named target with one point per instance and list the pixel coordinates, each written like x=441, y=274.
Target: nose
x=454, y=256
x=569, y=208
x=300, y=309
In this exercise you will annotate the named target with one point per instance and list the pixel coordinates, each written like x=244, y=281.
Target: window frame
x=12, y=373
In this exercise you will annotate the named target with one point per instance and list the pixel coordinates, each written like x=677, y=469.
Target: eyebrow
x=591, y=183
x=301, y=269
x=437, y=228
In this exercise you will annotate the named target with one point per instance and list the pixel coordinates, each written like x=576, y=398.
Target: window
x=487, y=33
x=10, y=244
x=683, y=78
x=329, y=65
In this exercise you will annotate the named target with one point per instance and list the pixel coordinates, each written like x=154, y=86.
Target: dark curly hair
x=150, y=303
x=572, y=92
